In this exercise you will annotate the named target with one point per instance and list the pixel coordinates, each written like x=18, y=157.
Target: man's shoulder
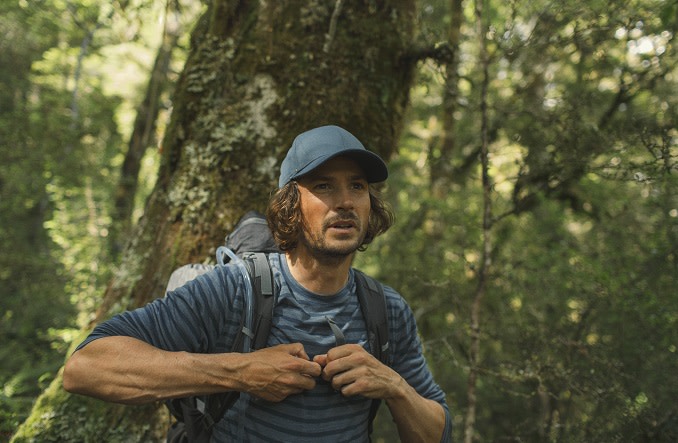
x=210, y=284
x=394, y=301
x=388, y=290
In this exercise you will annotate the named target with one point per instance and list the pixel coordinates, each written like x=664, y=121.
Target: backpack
x=249, y=244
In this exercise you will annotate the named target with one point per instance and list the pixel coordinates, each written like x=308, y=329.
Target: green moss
x=61, y=417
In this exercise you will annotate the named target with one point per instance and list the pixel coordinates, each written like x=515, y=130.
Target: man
x=302, y=387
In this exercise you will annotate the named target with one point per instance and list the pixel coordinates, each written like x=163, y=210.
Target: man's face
x=335, y=205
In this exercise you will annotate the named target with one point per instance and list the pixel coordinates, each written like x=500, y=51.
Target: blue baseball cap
x=314, y=147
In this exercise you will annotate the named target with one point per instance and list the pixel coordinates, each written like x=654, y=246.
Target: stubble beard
x=318, y=247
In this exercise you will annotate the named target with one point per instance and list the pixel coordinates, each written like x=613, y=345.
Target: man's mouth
x=343, y=225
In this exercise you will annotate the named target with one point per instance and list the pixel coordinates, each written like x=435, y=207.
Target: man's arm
x=354, y=371
x=417, y=418
x=127, y=370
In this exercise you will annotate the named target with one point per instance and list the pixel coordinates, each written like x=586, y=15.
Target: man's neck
x=319, y=276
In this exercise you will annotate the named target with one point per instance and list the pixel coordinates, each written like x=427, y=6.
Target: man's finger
x=321, y=360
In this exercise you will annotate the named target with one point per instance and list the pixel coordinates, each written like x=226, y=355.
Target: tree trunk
x=443, y=152
x=474, y=354
x=143, y=133
x=258, y=74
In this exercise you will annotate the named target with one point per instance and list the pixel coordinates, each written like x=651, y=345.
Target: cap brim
x=372, y=165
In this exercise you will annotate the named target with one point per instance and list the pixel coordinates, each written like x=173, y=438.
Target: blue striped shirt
x=203, y=316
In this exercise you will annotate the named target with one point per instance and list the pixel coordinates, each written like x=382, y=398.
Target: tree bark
x=258, y=74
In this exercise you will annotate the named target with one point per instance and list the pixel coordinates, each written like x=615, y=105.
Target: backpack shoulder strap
x=373, y=306
x=264, y=300
x=261, y=309
x=263, y=292
x=208, y=410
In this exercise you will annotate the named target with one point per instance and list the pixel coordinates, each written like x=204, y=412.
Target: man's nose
x=345, y=199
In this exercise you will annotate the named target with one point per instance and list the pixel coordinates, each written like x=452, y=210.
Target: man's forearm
x=127, y=370
x=418, y=419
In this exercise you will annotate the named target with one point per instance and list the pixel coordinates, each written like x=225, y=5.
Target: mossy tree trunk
x=258, y=74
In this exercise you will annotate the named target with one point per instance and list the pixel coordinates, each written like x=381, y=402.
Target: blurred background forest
x=535, y=187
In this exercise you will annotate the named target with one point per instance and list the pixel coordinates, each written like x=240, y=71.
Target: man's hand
x=353, y=371
x=277, y=372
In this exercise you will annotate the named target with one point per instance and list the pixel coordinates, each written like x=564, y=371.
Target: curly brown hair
x=285, y=218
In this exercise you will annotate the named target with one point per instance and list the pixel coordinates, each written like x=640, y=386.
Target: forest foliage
x=535, y=189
